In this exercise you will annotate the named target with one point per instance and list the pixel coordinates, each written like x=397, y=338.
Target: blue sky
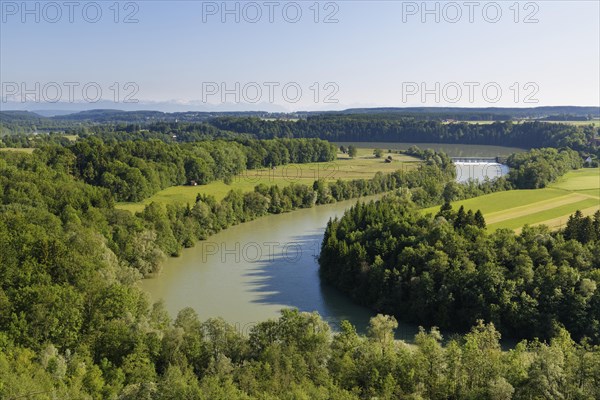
x=376, y=54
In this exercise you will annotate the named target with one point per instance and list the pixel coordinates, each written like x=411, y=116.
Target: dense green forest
x=22, y=122
x=359, y=128
x=135, y=170
x=538, y=167
x=141, y=354
x=446, y=270
x=29, y=141
x=13, y=122
x=74, y=324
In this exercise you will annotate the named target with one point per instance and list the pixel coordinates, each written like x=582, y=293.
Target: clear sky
x=371, y=53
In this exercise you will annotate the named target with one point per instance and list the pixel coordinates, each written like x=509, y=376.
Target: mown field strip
x=536, y=207
x=590, y=192
x=503, y=201
x=546, y=215
x=559, y=222
x=576, y=190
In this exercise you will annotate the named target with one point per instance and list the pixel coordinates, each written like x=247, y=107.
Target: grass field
x=594, y=122
x=551, y=206
x=22, y=150
x=452, y=150
x=364, y=165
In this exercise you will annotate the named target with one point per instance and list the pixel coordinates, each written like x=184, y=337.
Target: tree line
x=135, y=170
x=343, y=128
x=360, y=128
x=538, y=167
x=73, y=323
x=294, y=357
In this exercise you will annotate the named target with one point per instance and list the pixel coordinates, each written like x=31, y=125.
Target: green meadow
x=451, y=149
x=552, y=206
x=594, y=122
x=364, y=165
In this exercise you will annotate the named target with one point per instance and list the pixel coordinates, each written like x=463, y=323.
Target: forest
x=19, y=122
x=135, y=170
x=74, y=324
x=357, y=128
x=372, y=127
x=446, y=270
x=59, y=181
x=142, y=354
x=538, y=167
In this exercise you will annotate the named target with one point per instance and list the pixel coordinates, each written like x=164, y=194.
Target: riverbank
x=244, y=279
x=249, y=272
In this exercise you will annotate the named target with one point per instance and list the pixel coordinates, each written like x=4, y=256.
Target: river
x=247, y=273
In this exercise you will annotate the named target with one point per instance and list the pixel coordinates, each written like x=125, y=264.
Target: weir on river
x=478, y=168
x=475, y=159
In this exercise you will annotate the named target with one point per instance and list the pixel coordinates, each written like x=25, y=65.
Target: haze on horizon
x=287, y=56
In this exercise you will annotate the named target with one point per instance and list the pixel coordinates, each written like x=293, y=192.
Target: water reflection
x=249, y=272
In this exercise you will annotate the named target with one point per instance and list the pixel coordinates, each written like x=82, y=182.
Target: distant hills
x=487, y=113
x=34, y=121
x=107, y=115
